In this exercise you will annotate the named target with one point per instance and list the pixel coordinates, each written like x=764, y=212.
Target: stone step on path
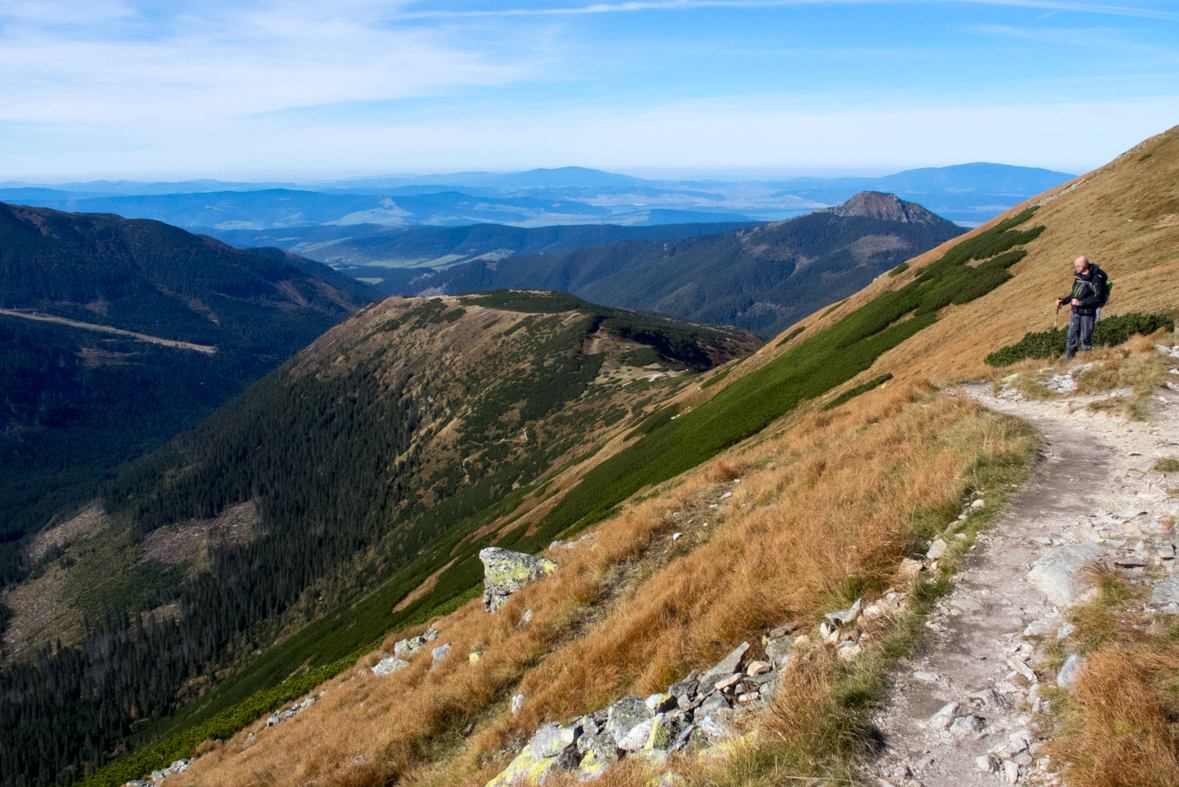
x=965, y=711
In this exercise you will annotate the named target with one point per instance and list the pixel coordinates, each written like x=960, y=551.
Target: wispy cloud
x=685, y=5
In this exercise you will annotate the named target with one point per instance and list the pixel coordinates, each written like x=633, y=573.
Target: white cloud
x=683, y=5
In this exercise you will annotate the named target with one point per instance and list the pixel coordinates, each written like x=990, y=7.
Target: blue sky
x=752, y=88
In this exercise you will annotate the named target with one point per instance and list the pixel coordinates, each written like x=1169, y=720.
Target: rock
x=638, y=735
x=1065, y=630
x=757, y=668
x=550, y=740
x=910, y=569
x=505, y=572
x=717, y=724
x=625, y=715
x=849, y=650
x=599, y=750
x=439, y=654
x=967, y=724
x=726, y=683
x=659, y=703
x=1038, y=628
x=715, y=701
x=1058, y=573
x=474, y=656
x=1011, y=771
x=517, y=703
x=730, y=663
x=1022, y=669
x=988, y=763
x=665, y=731
x=926, y=677
x=407, y=647
x=668, y=780
x=1069, y=671
x=1166, y=592
x=1062, y=383
x=845, y=616
x=944, y=717
x=270, y=722
x=937, y=550
x=527, y=769
x=977, y=504
x=389, y=665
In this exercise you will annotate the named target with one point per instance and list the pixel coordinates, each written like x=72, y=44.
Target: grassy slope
x=1097, y=218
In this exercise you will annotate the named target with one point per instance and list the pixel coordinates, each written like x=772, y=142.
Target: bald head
x=1081, y=264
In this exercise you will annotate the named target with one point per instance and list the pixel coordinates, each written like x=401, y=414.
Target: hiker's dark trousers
x=1080, y=330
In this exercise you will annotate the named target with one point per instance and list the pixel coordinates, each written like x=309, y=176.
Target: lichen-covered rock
x=625, y=715
x=527, y=770
x=550, y=740
x=665, y=730
x=505, y=572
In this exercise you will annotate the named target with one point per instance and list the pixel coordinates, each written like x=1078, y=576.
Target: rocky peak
x=875, y=205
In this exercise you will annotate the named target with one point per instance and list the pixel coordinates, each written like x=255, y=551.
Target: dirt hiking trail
x=965, y=707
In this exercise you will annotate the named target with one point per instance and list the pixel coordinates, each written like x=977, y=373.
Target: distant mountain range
x=761, y=278
x=969, y=194
x=389, y=257
x=115, y=334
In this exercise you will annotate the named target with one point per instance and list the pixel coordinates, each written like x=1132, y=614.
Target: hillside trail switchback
x=964, y=708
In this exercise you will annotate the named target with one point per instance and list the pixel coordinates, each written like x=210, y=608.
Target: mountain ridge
x=760, y=278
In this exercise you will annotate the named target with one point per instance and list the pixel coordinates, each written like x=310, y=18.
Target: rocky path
x=964, y=711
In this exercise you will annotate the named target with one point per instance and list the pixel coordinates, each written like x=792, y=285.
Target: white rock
x=937, y=550
x=944, y=717
x=1058, y=574
x=1010, y=772
x=1069, y=672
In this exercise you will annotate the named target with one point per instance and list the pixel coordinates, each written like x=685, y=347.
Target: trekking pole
x=1057, y=317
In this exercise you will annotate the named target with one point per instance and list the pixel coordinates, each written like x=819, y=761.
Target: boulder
x=550, y=740
x=716, y=724
x=389, y=665
x=505, y=572
x=527, y=769
x=625, y=715
x=637, y=737
x=1058, y=573
x=730, y=663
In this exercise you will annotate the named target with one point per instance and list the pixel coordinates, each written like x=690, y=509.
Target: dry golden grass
x=820, y=515
x=1120, y=728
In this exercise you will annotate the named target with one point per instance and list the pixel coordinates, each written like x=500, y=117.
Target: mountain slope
x=112, y=378
x=761, y=278
x=383, y=455
x=827, y=506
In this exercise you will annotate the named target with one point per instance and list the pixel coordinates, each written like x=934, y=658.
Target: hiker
x=1090, y=289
